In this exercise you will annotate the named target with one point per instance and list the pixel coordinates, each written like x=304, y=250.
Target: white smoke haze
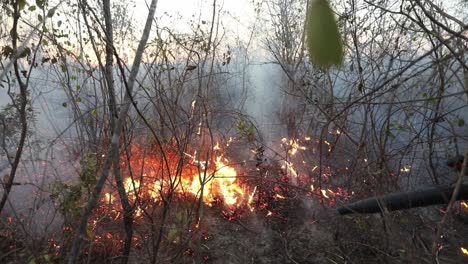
x=396, y=138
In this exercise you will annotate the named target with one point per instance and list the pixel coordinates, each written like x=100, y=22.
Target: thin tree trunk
x=8, y=182
x=127, y=208
x=114, y=147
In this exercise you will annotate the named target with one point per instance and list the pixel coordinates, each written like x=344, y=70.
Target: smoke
x=264, y=101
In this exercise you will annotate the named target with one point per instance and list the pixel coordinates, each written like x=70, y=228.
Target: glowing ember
x=251, y=196
x=406, y=168
x=464, y=251
x=229, y=141
x=293, y=145
x=279, y=196
x=194, y=102
x=199, y=128
x=108, y=198
x=464, y=204
x=324, y=193
x=328, y=144
x=290, y=168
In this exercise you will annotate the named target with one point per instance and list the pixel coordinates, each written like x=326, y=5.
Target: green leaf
x=461, y=122
x=323, y=37
x=432, y=101
x=360, y=87
x=181, y=216
x=94, y=112
x=64, y=104
x=7, y=51
x=46, y=258
x=172, y=233
x=40, y=4
x=51, y=13
x=25, y=53
x=251, y=130
x=241, y=125
x=21, y=4
x=89, y=232
x=390, y=134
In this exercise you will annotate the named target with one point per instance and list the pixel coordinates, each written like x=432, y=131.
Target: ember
x=464, y=251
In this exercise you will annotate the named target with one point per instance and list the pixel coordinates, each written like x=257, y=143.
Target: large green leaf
x=21, y=4
x=323, y=37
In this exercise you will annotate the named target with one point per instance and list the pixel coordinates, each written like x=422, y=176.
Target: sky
x=232, y=10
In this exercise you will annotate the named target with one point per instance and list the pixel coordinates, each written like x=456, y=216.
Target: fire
x=293, y=144
x=324, y=193
x=290, y=168
x=464, y=251
x=108, y=198
x=406, y=168
x=279, y=196
x=329, y=145
x=194, y=102
x=464, y=204
x=131, y=186
x=221, y=183
x=251, y=197
x=208, y=176
x=211, y=180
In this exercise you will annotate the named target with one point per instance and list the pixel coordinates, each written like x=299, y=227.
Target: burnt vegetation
x=307, y=131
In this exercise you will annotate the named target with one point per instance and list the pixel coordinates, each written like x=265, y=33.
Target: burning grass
x=209, y=205
x=200, y=185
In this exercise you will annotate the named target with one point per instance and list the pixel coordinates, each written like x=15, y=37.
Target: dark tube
x=405, y=200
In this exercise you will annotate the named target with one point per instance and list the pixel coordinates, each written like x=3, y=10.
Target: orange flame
x=293, y=144
x=221, y=183
x=211, y=181
x=108, y=198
